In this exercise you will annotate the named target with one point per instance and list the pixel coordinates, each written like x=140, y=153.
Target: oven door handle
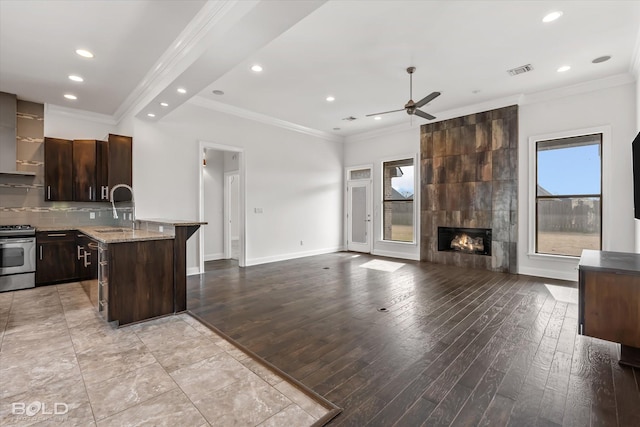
x=13, y=241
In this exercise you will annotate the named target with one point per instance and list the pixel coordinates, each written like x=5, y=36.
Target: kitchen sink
x=113, y=230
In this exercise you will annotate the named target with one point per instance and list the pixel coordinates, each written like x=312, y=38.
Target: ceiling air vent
x=349, y=119
x=520, y=70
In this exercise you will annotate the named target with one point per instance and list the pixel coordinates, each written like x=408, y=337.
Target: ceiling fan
x=412, y=107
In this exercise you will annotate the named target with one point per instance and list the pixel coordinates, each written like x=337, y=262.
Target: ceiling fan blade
x=427, y=99
x=386, y=112
x=424, y=115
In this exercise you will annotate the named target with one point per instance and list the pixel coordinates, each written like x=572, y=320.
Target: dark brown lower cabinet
x=56, y=260
x=136, y=280
x=609, y=300
x=86, y=257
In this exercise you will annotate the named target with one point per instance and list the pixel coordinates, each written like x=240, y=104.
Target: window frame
x=415, y=200
x=605, y=187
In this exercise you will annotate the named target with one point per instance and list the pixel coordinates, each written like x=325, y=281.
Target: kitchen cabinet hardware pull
x=80, y=248
x=48, y=192
x=90, y=193
x=57, y=235
x=87, y=255
x=40, y=252
x=93, y=245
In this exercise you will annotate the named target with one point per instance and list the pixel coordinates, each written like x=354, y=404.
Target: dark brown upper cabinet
x=94, y=168
x=120, y=165
x=85, y=159
x=58, y=169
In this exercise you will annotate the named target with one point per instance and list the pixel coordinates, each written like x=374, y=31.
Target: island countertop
x=114, y=234
x=174, y=222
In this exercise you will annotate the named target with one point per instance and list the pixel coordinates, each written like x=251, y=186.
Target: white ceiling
x=356, y=51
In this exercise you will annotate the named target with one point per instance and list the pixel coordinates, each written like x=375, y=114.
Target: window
x=569, y=195
x=398, y=185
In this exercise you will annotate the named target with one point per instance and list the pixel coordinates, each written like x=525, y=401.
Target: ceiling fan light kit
x=411, y=107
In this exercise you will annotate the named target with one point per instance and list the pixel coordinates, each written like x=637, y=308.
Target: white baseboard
x=549, y=273
x=214, y=257
x=192, y=271
x=293, y=255
x=392, y=254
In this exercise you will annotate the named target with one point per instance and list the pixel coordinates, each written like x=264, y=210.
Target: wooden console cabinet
x=609, y=300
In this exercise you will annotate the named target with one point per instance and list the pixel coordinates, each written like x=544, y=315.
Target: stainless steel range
x=17, y=257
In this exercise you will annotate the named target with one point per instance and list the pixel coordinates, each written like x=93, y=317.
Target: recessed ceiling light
x=330, y=99
x=564, y=68
x=218, y=92
x=601, y=59
x=151, y=115
x=69, y=96
x=75, y=78
x=84, y=53
x=256, y=68
x=377, y=118
x=182, y=90
x=164, y=104
x=552, y=16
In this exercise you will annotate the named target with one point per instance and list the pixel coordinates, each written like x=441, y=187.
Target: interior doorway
x=231, y=215
x=221, y=204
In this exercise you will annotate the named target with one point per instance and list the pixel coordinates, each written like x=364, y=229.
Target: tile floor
x=61, y=363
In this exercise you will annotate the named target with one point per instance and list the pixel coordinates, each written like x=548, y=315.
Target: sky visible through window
x=404, y=184
x=573, y=170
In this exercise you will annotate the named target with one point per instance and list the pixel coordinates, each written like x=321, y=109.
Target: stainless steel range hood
x=8, y=108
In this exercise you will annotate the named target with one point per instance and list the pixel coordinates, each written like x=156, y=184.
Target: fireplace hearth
x=467, y=240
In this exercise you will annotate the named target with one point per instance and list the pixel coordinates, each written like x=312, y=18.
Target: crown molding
x=174, y=57
x=442, y=115
x=262, y=118
x=387, y=130
x=577, y=89
x=80, y=114
x=519, y=99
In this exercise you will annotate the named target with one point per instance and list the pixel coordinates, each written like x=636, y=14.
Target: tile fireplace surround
x=469, y=180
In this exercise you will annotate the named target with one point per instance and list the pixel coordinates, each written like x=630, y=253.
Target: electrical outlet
x=160, y=228
x=301, y=243
x=92, y=215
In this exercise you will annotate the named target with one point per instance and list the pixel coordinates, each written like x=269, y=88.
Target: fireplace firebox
x=467, y=240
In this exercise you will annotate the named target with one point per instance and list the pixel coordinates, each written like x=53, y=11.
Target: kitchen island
x=137, y=277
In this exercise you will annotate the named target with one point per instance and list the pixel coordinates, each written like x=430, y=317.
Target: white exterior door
x=359, y=228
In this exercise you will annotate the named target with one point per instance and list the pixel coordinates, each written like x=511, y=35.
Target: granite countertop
x=174, y=222
x=617, y=262
x=114, y=234
x=57, y=228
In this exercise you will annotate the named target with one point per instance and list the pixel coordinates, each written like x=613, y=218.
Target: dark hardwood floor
x=453, y=347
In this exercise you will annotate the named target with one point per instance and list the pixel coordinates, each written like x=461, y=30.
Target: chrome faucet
x=133, y=202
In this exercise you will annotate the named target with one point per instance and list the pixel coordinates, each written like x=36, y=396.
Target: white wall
x=296, y=179
x=613, y=107
x=374, y=151
x=213, y=182
x=58, y=124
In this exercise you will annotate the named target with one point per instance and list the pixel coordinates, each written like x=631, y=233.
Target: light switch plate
x=92, y=215
x=258, y=210
x=160, y=228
